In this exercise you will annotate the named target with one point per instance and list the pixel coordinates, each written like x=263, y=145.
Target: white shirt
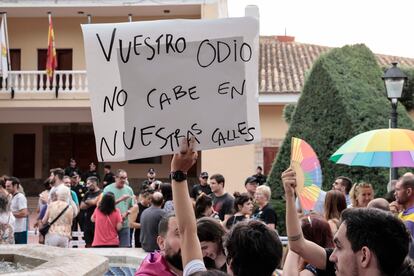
x=7, y=218
x=19, y=202
x=194, y=266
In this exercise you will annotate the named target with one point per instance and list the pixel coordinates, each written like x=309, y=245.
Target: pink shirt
x=105, y=228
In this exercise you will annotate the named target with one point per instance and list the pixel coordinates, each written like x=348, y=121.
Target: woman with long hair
x=203, y=206
x=108, y=221
x=361, y=194
x=210, y=232
x=7, y=221
x=243, y=207
x=335, y=203
x=316, y=229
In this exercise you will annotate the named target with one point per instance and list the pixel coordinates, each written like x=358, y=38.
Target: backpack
x=6, y=233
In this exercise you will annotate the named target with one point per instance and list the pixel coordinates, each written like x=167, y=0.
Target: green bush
x=343, y=96
x=288, y=112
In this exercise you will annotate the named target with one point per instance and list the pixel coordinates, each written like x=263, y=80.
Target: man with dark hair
x=91, y=172
x=378, y=240
x=404, y=195
x=203, y=187
x=253, y=249
x=151, y=174
x=72, y=167
x=222, y=201
x=167, y=261
x=56, y=180
x=124, y=201
x=344, y=185
x=369, y=242
x=18, y=206
x=251, y=184
x=80, y=190
x=150, y=219
x=109, y=177
x=88, y=205
x=260, y=177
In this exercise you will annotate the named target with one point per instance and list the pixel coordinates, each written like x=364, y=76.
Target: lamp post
x=394, y=80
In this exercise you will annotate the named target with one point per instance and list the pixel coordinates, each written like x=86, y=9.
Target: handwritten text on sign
x=153, y=83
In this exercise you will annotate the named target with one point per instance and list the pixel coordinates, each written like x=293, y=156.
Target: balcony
x=35, y=85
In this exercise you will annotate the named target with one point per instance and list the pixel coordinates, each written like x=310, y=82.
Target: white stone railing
x=37, y=81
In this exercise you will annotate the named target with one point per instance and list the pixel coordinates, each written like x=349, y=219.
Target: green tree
x=343, y=96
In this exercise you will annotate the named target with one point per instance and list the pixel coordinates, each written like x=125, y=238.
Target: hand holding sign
x=154, y=83
x=305, y=163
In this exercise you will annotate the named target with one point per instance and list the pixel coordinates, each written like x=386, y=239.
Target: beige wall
x=237, y=163
x=272, y=123
x=30, y=34
x=234, y=163
x=6, y=146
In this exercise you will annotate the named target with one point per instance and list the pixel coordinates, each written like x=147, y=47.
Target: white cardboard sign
x=152, y=83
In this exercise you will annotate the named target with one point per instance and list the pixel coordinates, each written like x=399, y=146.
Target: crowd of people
x=210, y=232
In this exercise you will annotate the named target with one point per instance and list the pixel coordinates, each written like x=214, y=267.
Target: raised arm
x=190, y=245
x=308, y=250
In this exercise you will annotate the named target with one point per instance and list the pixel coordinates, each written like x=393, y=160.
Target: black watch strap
x=178, y=176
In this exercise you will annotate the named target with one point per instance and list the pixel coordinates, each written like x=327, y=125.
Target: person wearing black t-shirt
x=369, y=241
x=243, y=206
x=88, y=204
x=260, y=177
x=109, y=177
x=72, y=168
x=265, y=212
x=222, y=201
x=80, y=189
x=92, y=172
x=203, y=187
x=135, y=216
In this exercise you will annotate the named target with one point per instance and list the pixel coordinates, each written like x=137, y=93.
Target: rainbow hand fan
x=308, y=173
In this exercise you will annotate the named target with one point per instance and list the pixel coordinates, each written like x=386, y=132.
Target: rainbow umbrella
x=388, y=147
x=308, y=173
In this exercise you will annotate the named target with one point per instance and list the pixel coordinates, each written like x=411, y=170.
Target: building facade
x=42, y=125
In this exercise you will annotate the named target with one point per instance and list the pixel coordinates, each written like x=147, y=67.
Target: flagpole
x=8, y=55
x=130, y=17
x=89, y=19
x=7, y=40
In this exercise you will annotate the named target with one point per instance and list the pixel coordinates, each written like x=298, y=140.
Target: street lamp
x=394, y=80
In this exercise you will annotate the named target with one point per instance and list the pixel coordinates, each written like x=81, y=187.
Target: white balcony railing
x=37, y=81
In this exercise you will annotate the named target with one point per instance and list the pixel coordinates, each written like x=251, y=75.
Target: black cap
x=250, y=179
x=204, y=174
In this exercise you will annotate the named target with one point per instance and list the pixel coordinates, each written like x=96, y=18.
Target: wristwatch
x=178, y=176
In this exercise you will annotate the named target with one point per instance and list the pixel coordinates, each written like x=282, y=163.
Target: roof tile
x=282, y=65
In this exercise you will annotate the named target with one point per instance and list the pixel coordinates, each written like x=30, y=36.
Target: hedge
x=343, y=96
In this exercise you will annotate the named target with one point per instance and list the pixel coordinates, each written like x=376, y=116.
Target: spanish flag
x=51, y=62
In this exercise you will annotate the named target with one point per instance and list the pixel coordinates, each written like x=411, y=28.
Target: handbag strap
x=61, y=213
x=110, y=221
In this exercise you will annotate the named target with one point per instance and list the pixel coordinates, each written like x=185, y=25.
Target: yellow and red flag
x=51, y=62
